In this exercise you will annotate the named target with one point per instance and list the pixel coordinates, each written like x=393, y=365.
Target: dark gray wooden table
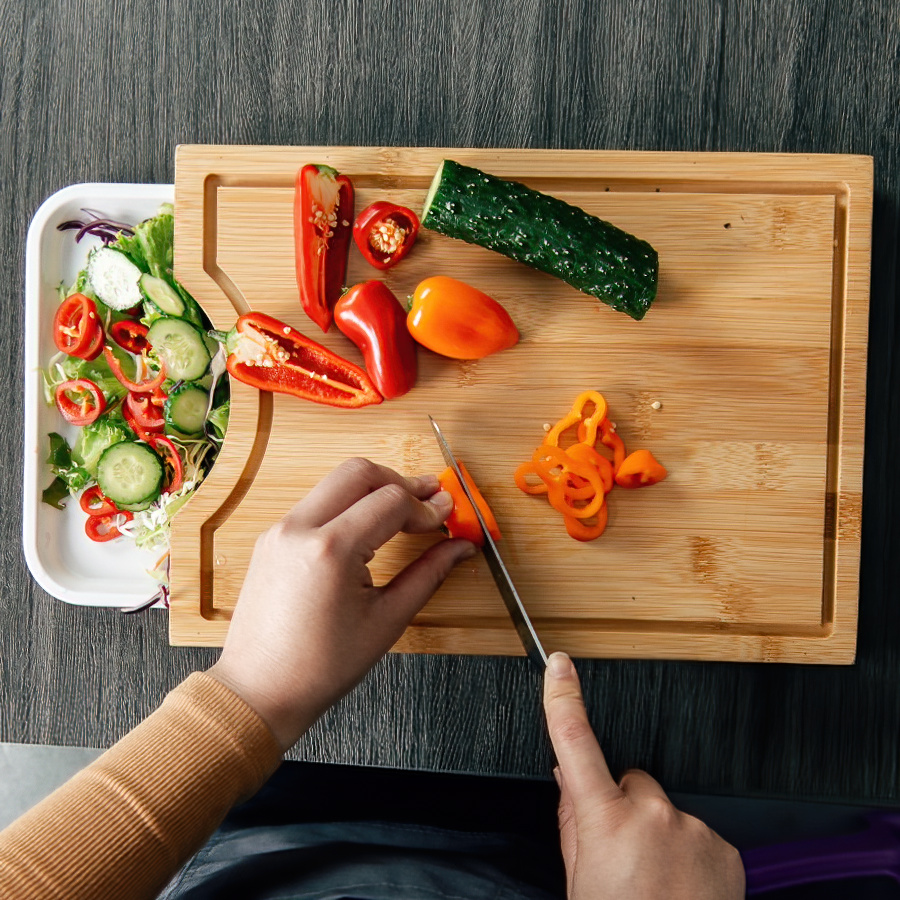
x=95, y=91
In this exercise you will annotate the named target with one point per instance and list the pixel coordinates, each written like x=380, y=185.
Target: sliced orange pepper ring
x=462, y=521
x=639, y=469
x=581, y=531
x=586, y=453
x=609, y=438
x=521, y=478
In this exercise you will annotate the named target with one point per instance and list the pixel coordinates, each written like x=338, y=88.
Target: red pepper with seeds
x=272, y=356
x=323, y=223
x=77, y=329
x=385, y=233
x=372, y=317
x=80, y=401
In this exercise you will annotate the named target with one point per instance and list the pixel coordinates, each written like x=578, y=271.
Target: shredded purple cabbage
x=98, y=225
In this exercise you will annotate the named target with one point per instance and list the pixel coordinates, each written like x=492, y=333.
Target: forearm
x=124, y=825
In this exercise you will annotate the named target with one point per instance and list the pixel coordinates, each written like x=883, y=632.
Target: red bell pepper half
x=385, y=233
x=323, y=222
x=77, y=329
x=272, y=356
x=372, y=317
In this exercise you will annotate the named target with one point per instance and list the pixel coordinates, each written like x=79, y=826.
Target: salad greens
x=128, y=374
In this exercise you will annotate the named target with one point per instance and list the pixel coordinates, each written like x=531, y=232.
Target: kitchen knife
x=508, y=592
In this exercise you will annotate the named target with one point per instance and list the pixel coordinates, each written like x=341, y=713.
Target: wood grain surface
x=756, y=344
x=105, y=92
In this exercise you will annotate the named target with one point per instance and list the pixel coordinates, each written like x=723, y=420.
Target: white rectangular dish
x=61, y=557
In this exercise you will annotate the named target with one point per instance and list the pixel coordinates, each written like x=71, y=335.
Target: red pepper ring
x=84, y=410
x=145, y=387
x=76, y=327
x=130, y=335
x=145, y=411
x=169, y=452
x=94, y=503
x=105, y=528
x=385, y=233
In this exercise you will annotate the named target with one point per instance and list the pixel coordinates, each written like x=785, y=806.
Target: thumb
x=568, y=832
x=584, y=770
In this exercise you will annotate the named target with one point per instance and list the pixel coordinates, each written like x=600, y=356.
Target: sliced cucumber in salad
x=181, y=347
x=130, y=474
x=114, y=278
x=185, y=409
x=162, y=295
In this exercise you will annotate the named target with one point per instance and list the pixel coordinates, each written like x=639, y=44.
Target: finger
x=413, y=587
x=639, y=786
x=581, y=761
x=376, y=518
x=568, y=835
x=352, y=480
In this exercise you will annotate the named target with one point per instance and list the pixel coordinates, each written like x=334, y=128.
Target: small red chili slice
x=94, y=503
x=76, y=327
x=385, y=233
x=104, y=528
x=169, y=452
x=85, y=406
x=145, y=387
x=130, y=335
x=142, y=409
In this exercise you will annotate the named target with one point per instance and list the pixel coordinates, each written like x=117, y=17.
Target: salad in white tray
x=136, y=377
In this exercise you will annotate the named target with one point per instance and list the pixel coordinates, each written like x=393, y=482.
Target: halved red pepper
x=77, y=329
x=272, y=356
x=385, y=233
x=462, y=521
x=323, y=221
x=130, y=335
x=372, y=317
x=144, y=387
x=85, y=406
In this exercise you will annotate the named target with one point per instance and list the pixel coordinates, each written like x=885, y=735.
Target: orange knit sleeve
x=124, y=825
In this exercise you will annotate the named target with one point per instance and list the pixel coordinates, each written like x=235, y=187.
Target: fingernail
x=558, y=776
x=559, y=665
x=442, y=502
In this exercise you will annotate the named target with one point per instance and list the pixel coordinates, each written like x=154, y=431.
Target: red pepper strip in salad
x=94, y=503
x=323, y=221
x=77, y=329
x=145, y=411
x=639, y=469
x=145, y=387
x=169, y=452
x=272, y=356
x=372, y=317
x=80, y=401
x=104, y=528
x=130, y=335
x=385, y=233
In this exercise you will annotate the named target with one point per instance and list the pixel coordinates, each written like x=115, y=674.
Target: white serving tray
x=61, y=557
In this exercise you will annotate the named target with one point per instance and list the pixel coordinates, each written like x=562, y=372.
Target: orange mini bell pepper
x=462, y=521
x=639, y=469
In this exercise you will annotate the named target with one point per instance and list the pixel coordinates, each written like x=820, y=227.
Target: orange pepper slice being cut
x=462, y=521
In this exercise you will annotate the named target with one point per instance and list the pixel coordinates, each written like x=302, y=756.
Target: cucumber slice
x=130, y=474
x=181, y=347
x=162, y=295
x=114, y=278
x=543, y=232
x=185, y=409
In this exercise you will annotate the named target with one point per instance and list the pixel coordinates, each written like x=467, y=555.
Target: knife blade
x=529, y=637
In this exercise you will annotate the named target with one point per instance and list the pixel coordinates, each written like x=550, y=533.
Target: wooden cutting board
x=754, y=352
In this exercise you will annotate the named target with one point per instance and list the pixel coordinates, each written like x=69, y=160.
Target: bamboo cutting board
x=755, y=351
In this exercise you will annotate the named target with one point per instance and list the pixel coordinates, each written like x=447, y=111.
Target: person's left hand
x=309, y=622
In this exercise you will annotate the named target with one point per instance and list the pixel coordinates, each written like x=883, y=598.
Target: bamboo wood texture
x=755, y=350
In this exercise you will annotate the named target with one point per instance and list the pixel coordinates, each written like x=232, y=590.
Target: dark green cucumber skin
x=545, y=233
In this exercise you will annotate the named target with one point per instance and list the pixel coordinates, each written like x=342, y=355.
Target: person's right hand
x=625, y=840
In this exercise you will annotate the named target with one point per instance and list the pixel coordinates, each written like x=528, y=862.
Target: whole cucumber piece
x=545, y=233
